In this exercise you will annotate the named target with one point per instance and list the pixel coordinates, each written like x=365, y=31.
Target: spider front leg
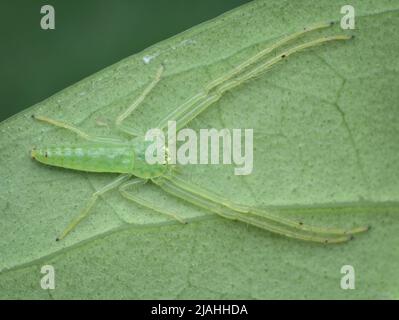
x=249, y=69
x=266, y=222
x=184, y=116
x=260, y=212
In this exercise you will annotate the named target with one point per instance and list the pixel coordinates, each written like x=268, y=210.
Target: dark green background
x=89, y=35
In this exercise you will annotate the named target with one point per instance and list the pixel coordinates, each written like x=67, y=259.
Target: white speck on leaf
x=147, y=59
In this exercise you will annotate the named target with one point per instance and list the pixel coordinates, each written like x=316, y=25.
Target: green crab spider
x=126, y=157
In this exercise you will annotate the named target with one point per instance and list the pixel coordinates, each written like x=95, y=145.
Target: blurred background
x=89, y=36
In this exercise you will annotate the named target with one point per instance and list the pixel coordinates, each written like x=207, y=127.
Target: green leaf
x=326, y=128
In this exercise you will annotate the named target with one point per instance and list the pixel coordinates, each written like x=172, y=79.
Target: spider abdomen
x=92, y=157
